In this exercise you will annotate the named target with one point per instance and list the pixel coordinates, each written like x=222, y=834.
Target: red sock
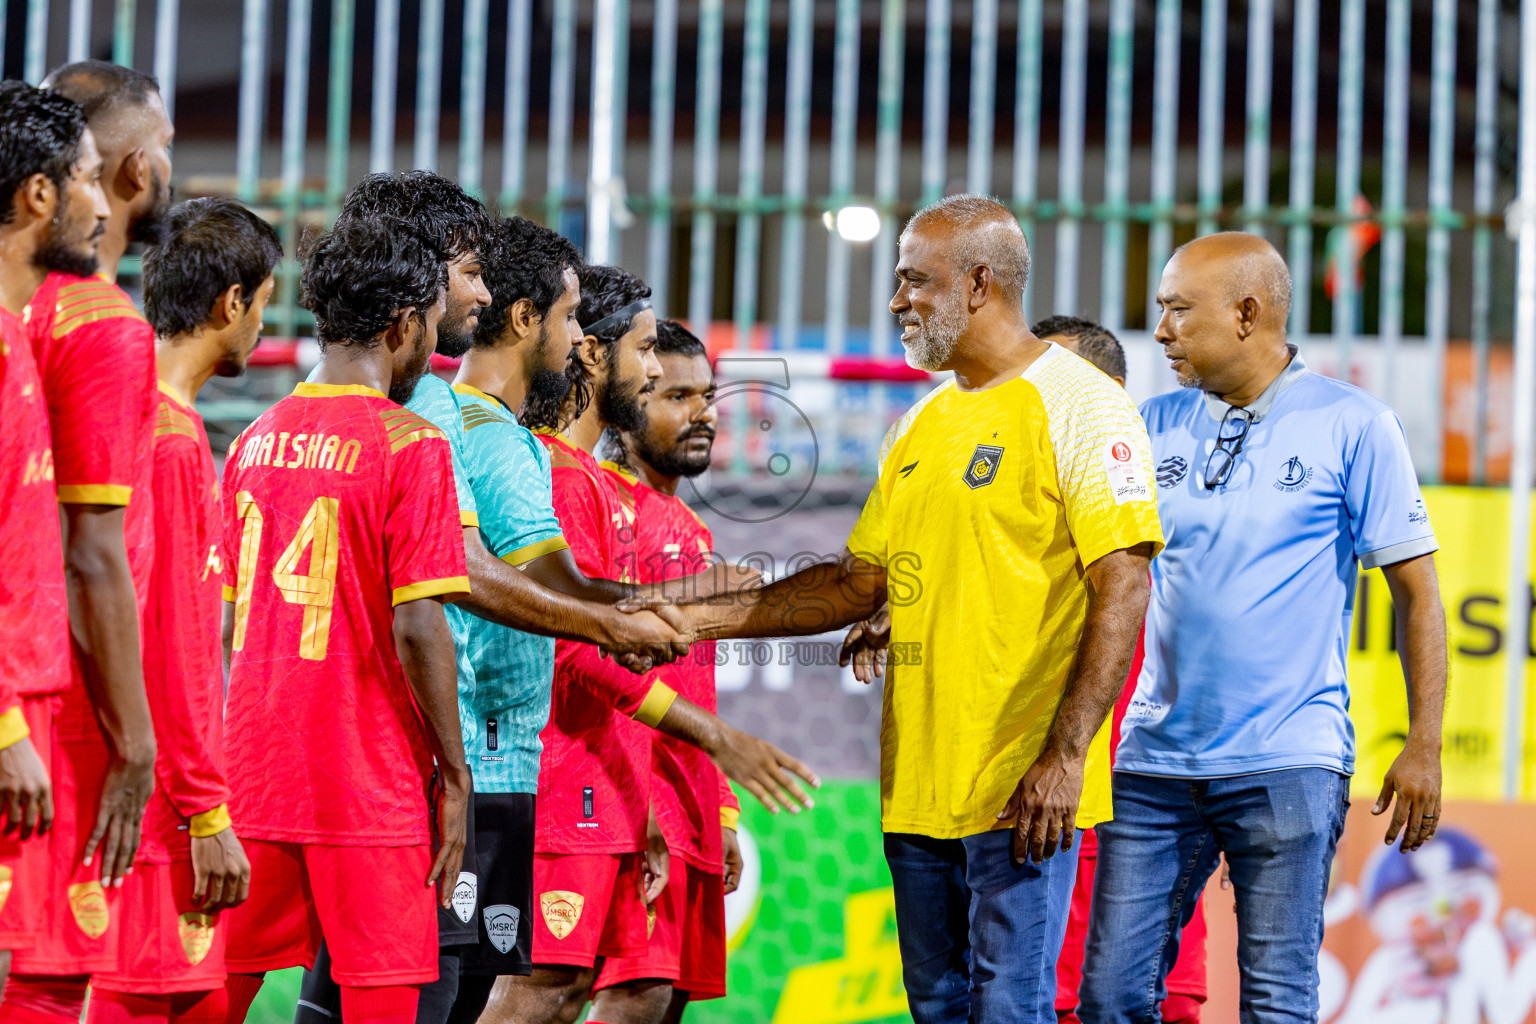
x=127, y=1008
x=199, y=1007
x=386, y=1004
x=240, y=991
x=43, y=999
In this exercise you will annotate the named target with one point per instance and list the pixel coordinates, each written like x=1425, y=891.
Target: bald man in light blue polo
x=1275, y=487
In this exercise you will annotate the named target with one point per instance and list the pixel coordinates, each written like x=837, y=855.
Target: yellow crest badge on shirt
x=88, y=903
x=562, y=911
x=982, y=468
x=5, y=885
x=196, y=932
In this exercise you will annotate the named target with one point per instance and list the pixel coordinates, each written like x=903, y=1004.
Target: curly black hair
x=452, y=220
x=521, y=260
x=211, y=245
x=40, y=133
x=605, y=291
x=359, y=275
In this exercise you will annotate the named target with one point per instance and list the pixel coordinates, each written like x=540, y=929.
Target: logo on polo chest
x=1294, y=475
x=1172, y=471
x=982, y=469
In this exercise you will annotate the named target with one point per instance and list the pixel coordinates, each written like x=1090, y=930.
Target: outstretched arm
x=1415, y=776
x=818, y=598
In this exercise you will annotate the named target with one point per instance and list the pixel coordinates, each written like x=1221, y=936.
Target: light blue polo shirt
x=510, y=673
x=1253, y=596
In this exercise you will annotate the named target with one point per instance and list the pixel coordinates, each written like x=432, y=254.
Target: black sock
x=319, y=996
x=474, y=993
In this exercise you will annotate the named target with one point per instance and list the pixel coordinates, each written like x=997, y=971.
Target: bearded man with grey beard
x=1011, y=528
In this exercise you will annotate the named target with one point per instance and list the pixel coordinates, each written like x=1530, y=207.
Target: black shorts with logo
x=456, y=926
x=503, y=940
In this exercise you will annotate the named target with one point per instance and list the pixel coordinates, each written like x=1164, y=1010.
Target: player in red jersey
x=685, y=955
x=49, y=175
x=205, y=289
x=593, y=805
x=344, y=539
x=95, y=355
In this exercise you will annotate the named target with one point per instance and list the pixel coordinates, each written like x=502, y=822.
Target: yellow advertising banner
x=1471, y=525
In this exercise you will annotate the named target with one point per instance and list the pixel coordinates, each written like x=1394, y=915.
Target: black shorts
x=503, y=940
x=456, y=927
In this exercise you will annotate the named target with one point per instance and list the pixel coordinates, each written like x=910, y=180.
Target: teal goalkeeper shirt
x=506, y=703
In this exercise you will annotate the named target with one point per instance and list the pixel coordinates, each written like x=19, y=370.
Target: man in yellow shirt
x=1011, y=529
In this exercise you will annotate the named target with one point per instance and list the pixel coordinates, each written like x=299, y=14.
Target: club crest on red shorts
x=196, y=932
x=5, y=885
x=88, y=903
x=562, y=911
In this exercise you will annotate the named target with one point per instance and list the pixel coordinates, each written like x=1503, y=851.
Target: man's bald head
x=975, y=230
x=1248, y=265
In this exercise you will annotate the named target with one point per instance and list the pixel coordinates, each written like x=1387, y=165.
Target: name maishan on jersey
x=300, y=451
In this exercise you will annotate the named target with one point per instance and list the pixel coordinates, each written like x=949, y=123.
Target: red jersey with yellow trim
x=96, y=355
x=688, y=791
x=183, y=670
x=338, y=505
x=34, y=611
x=594, y=776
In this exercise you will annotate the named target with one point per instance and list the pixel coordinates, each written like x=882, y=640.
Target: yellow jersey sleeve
x=868, y=539
x=1104, y=468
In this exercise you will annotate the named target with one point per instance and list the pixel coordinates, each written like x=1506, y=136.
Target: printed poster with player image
x=1443, y=935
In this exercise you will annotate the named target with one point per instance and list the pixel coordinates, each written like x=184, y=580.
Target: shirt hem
x=282, y=835
x=1394, y=553
x=952, y=831
x=1230, y=770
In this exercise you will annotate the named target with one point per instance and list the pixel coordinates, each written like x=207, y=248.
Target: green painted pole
x=477, y=15
x=706, y=165
x=1117, y=158
x=1026, y=125
x=338, y=115
x=1303, y=162
x=754, y=131
x=893, y=17
x=124, y=24
x=1485, y=148
x=658, y=234
x=1165, y=146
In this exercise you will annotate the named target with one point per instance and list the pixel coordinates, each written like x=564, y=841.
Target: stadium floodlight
x=854, y=223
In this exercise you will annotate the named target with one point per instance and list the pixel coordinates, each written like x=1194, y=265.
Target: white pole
x=605, y=26
x=1516, y=631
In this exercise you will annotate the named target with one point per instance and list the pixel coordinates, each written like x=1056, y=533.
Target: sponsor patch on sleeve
x=1126, y=479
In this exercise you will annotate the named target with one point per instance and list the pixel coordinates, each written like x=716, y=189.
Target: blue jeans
x=1278, y=831
x=979, y=934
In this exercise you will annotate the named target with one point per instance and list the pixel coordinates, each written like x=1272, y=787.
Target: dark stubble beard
x=401, y=390
x=546, y=385
x=61, y=253
x=618, y=403
x=674, y=459
x=155, y=225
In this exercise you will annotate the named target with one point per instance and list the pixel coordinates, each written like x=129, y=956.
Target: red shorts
x=77, y=922
x=23, y=864
x=369, y=903
x=588, y=905
x=1186, y=982
x=687, y=944
x=167, y=945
